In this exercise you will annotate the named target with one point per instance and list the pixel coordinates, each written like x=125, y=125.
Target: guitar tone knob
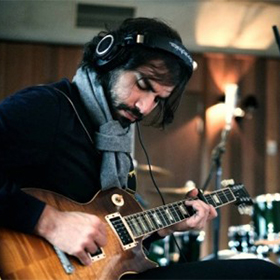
x=117, y=199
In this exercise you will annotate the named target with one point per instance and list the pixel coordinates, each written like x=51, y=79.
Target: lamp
x=230, y=103
x=221, y=113
x=229, y=106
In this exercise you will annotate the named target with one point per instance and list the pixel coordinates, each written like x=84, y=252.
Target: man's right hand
x=75, y=233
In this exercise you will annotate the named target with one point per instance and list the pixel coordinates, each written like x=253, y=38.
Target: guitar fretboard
x=151, y=220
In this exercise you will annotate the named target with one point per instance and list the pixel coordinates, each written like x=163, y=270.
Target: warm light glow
x=230, y=103
x=215, y=115
x=220, y=116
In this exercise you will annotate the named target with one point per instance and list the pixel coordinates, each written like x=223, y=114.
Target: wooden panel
x=18, y=69
x=24, y=64
x=272, y=159
x=68, y=59
x=41, y=64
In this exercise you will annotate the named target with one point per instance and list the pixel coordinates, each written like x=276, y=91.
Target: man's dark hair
x=162, y=66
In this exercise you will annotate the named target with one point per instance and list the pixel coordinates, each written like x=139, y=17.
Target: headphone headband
x=110, y=48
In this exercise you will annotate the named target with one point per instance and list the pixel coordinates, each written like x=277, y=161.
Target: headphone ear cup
x=110, y=53
x=113, y=61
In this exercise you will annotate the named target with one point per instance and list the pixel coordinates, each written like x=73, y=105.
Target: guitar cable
x=156, y=186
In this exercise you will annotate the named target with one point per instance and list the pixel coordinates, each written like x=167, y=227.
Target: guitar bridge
x=98, y=255
x=122, y=230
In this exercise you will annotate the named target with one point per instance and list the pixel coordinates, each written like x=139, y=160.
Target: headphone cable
x=156, y=186
x=149, y=163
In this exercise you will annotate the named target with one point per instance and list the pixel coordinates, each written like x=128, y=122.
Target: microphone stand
x=216, y=166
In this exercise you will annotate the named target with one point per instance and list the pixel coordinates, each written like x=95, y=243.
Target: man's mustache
x=135, y=111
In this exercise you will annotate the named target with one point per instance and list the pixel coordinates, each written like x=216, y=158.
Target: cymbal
x=182, y=190
x=158, y=171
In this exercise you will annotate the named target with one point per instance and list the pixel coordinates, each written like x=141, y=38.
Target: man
x=74, y=138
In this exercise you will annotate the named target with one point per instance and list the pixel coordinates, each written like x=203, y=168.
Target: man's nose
x=146, y=104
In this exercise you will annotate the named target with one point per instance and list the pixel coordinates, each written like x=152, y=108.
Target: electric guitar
x=24, y=256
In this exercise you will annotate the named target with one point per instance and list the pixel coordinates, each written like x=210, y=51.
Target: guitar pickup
x=121, y=230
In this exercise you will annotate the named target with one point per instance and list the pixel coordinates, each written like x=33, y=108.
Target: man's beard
x=115, y=105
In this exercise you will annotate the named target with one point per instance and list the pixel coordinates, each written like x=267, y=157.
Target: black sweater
x=43, y=145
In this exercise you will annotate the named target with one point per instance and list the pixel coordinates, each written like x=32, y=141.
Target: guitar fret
x=162, y=216
x=184, y=210
x=152, y=218
x=181, y=216
x=169, y=217
x=174, y=213
x=152, y=226
x=229, y=195
x=139, y=222
x=136, y=226
x=223, y=197
x=147, y=221
x=144, y=225
x=168, y=213
x=156, y=218
x=209, y=200
x=216, y=198
x=131, y=225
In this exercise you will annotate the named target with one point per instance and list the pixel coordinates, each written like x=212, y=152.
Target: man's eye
x=144, y=84
x=141, y=84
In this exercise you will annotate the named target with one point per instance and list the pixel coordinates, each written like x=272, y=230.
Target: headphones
x=111, y=51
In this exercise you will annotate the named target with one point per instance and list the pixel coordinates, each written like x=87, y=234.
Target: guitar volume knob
x=117, y=199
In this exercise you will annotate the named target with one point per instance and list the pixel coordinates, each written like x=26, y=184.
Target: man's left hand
x=203, y=213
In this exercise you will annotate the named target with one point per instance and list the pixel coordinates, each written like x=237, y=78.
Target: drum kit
x=165, y=251
x=261, y=237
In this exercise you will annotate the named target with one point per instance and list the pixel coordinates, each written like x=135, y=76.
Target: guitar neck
x=148, y=221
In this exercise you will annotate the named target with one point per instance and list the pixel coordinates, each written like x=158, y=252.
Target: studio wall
x=184, y=149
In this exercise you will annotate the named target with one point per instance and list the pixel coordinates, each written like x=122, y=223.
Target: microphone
x=230, y=103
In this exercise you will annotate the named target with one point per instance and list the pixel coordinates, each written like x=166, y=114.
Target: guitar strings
x=156, y=186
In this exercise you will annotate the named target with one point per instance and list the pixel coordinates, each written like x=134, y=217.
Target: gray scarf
x=112, y=139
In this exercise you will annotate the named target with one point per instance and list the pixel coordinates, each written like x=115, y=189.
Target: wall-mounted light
x=230, y=103
x=231, y=106
x=222, y=112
